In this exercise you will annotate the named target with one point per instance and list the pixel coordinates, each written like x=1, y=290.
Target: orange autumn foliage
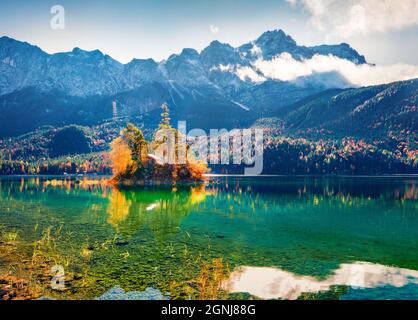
x=135, y=160
x=118, y=209
x=121, y=157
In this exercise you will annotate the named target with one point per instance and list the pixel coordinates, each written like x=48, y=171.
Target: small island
x=137, y=162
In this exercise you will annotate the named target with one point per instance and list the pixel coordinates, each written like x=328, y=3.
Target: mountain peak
x=186, y=53
x=143, y=61
x=342, y=50
x=78, y=51
x=8, y=39
x=277, y=35
x=269, y=44
x=218, y=53
x=275, y=42
x=217, y=44
x=278, y=32
x=189, y=52
x=10, y=42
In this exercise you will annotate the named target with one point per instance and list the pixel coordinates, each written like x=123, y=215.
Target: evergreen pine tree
x=165, y=117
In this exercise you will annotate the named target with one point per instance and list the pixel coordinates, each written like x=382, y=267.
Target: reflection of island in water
x=273, y=283
x=159, y=209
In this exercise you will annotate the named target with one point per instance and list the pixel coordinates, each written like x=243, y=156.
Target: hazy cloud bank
x=353, y=17
x=284, y=67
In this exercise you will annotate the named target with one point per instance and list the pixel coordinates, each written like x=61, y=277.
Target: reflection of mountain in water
x=273, y=283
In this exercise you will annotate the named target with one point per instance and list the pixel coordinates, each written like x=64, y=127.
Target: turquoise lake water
x=279, y=238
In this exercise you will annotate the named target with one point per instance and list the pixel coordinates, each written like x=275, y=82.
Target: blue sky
x=127, y=29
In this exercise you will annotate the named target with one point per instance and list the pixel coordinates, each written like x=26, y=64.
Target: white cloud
x=256, y=51
x=248, y=73
x=352, y=17
x=244, y=73
x=226, y=68
x=283, y=67
x=223, y=68
x=214, y=29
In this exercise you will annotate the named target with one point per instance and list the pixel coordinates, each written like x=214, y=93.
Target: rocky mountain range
x=208, y=89
x=86, y=73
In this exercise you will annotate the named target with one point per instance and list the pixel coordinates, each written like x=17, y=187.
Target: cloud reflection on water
x=274, y=283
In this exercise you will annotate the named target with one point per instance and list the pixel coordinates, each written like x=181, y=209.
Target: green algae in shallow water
x=159, y=238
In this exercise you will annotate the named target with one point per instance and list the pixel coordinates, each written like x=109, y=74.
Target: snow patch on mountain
x=241, y=105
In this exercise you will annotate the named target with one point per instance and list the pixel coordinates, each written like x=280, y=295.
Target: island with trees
x=136, y=161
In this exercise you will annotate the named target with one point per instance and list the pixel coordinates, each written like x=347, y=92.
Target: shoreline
x=214, y=175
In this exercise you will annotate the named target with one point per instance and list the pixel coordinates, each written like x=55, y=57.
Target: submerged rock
x=121, y=243
x=117, y=293
x=2, y=293
x=46, y=299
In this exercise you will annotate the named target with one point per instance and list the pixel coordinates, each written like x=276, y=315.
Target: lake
x=232, y=238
